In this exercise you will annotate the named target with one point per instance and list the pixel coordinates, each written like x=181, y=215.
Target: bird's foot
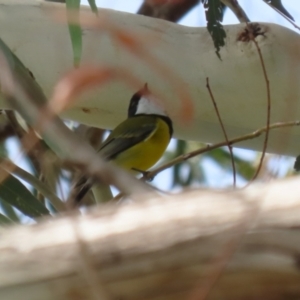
x=145, y=174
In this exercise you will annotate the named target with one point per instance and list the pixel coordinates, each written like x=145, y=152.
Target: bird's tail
x=82, y=186
x=79, y=191
x=102, y=192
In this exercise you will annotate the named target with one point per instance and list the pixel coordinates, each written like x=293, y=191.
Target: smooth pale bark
x=165, y=248
x=237, y=81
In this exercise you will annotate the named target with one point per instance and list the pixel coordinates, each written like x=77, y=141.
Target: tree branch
x=161, y=249
x=223, y=129
x=239, y=139
x=237, y=10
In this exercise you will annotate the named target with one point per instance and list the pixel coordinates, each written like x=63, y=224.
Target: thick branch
x=161, y=249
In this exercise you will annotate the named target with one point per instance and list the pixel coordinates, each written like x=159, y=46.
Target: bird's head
x=144, y=103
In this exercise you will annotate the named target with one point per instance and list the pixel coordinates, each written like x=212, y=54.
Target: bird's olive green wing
x=127, y=134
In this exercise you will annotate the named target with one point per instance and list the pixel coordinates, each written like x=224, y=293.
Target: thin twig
x=223, y=129
x=237, y=10
x=245, y=137
x=268, y=102
x=10, y=167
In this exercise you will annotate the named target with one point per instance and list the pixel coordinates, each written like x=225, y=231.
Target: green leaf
x=278, y=5
x=180, y=149
x=9, y=211
x=23, y=75
x=4, y=220
x=75, y=29
x=3, y=150
x=93, y=6
x=189, y=171
x=297, y=164
x=214, y=17
x=13, y=192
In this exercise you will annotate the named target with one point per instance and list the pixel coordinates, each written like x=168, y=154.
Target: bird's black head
x=143, y=103
x=133, y=105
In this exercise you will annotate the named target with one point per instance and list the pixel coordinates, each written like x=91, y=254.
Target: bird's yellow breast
x=145, y=154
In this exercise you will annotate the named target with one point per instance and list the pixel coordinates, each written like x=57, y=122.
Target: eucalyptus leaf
x=9, y=211
x=24, y=75
x=278, y=5
x=180, y=149
x=297, y=164
x=75, y=29
x=3, y=150
x=4, y=220
x=13, y=192
x=93, y=6
x=214, y=17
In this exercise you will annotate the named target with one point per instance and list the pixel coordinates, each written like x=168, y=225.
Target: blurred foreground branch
x=161, y=249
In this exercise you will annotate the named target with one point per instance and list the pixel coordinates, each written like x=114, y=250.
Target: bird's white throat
x=146, y=106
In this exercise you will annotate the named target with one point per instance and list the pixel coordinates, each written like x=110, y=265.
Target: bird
x=138, y=142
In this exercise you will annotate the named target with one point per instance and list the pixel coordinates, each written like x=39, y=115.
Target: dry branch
x=223, y=129
x=161, y=249
x=208, y=148
x=237, y=10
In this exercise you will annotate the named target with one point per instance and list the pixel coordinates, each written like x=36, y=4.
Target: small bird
x=138, y=142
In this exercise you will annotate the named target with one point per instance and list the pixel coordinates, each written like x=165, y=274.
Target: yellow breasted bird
x=139, y=141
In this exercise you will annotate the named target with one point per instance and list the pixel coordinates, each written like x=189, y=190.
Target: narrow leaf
x=93, y=6
x=297, y=164
x=13, y=192
x=75, y=29
x=214, y=17
x=4, y=220
x=9, y=211
x=180, y=149
x=23, y=75
x=278, y=5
